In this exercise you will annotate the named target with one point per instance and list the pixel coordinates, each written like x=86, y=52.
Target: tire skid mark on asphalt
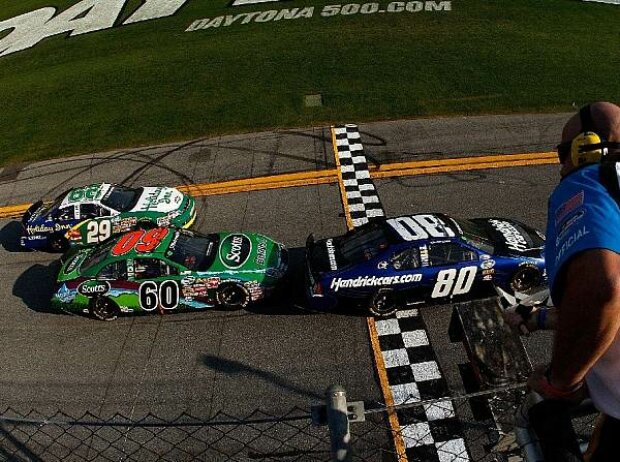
x=405, y=360
x=116, y=364
x=328, y=176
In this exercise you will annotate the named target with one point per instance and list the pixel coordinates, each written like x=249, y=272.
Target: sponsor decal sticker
x=514, y=239
x=331, y=254
x=93, y=288
x=382, y=265
x=121, y=225
x=235, y=249
x=75, y=261
x=57, y=227
x=373, y=281
x=567, y=207
x=197, y=289
x=487, y=264
x=188, y=280
x=261, y=252
x=65, y=295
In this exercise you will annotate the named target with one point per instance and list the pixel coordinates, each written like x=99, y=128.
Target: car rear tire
x=383, y=304
x=58, y=244
x=146, y=225
x=525, y=279
x=104, y=309
x=233, y=296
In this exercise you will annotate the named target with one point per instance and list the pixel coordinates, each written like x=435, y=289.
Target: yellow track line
x=287, y=180
x=399, y=441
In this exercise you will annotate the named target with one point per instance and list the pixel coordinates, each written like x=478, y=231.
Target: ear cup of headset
x=580, y=151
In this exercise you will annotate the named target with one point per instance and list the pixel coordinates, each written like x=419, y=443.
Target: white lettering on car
x=235, y=249
x=331, y=254
x=373, y=281
x=514, y=239
x=418, y=227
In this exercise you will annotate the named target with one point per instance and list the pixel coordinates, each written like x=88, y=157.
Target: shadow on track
x=9, y=237
x=235, y=368
x=290, y=297
x=35, y=286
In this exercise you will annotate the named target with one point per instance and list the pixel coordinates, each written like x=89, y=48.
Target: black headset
x=588, y=146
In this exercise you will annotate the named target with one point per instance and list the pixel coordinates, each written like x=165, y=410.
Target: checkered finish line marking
x=406, y=363
x=431, y=432
x=359, y=195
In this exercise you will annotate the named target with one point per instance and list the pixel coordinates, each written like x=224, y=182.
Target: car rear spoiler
x=33, y=208
x=309, y=249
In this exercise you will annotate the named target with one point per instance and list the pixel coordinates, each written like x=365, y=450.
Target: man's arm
x=588, y=317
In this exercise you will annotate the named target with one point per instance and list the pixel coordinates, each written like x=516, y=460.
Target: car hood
x=513, y=238
x=159, y=199
x=71, y=263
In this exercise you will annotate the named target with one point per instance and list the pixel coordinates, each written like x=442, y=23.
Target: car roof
x=119, y=252
x=85, y=194
x=422, y=226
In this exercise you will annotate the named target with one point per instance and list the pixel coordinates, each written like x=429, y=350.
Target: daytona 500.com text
x=327, y=11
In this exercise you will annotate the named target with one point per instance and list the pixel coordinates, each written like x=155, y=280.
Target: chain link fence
x=336, y=430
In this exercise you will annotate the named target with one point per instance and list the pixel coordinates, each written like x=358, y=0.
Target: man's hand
x=518, y=319
x=541, y=383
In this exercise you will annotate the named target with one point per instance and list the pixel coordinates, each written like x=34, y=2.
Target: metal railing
x=336, y=430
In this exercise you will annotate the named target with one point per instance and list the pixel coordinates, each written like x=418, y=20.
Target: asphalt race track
x=273, y=356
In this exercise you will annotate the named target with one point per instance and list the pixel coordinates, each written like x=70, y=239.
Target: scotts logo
x=94, y=288
x=235, y=250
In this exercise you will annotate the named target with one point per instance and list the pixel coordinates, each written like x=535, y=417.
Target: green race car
x=165, y=269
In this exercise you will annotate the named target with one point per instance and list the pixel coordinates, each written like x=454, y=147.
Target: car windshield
x=476, y=235
x=195, y=253
x=121, y=198
x=98, y=255
x=364, y=244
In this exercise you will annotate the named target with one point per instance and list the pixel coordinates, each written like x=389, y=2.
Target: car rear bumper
x=315, y=296
x=33, y=241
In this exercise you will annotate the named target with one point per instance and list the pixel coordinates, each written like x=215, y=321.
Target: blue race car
x=388, y=264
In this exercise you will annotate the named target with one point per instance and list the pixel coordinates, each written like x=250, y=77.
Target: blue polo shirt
x=582, y=216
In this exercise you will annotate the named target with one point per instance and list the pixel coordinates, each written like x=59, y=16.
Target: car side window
x=66, y=213
x=90, y=211
x=151, y=268
x=407, y=259
x=448, y=253
x=116, y=270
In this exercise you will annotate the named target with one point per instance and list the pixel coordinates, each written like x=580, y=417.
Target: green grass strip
x=153, y=82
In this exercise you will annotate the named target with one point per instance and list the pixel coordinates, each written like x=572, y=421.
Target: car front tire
x=383, y=303
x=525, y=279
x=233, y=296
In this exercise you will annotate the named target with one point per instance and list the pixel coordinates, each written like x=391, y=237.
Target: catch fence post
x=338, y=422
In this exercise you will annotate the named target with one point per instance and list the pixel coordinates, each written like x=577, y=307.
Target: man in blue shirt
x=582, y=255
